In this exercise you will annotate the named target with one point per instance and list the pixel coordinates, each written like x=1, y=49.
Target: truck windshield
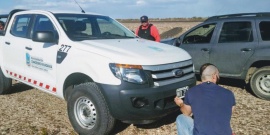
x=89, y=27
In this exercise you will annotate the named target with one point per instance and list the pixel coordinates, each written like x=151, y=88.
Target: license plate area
x=180, y=92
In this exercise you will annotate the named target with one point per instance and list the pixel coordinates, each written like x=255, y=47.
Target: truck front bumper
x=132, y=103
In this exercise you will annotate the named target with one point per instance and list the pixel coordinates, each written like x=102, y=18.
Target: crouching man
x=210, y=104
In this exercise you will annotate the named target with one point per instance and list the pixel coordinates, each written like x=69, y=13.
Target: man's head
x=2, y=25
x=209, y=72
x=144, y=20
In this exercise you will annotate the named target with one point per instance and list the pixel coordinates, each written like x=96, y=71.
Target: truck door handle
x=205, y=49
x=7, y=43
x=28, y=48
x=246, y=50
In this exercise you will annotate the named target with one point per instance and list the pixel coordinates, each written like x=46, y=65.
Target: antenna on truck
x=80, y=7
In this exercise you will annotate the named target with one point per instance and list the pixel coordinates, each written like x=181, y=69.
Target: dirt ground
x=27, y=111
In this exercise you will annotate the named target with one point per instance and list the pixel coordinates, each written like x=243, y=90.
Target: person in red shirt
x=147, y=30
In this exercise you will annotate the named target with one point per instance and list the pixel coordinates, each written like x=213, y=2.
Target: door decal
x=37, y=63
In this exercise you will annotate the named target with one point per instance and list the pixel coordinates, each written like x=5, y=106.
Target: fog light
x=139, y=102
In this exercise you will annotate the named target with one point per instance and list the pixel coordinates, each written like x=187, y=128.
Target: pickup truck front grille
x=165, y=74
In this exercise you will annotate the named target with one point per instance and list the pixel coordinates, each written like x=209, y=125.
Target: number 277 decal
x=64, y=48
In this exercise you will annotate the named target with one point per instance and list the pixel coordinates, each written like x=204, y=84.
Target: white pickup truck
x=103, y=71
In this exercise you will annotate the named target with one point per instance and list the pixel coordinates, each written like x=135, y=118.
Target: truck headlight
x=129, y=73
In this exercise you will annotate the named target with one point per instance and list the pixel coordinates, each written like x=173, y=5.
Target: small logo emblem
x=177, y=72
x=28, y=59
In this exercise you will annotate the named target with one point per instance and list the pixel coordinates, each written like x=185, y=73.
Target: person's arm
x=155, y=33
x=136, y=32
x=233, y=108
x=185, y=109
x=233, y=103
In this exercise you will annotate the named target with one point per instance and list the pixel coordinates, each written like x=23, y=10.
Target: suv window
x=20, y=25
x=265, y=30
x=236, y=32
x=202, y=34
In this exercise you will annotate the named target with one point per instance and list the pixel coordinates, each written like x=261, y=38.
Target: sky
x=134, y=9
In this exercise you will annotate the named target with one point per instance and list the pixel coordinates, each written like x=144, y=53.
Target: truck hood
x=136, y=51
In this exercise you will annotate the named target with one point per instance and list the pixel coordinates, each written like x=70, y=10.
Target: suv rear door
x=235, y=44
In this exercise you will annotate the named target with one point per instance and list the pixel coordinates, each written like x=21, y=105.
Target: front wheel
x=88, y=111
x=260, y=83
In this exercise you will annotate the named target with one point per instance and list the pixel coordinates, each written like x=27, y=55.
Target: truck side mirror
x=44, y=36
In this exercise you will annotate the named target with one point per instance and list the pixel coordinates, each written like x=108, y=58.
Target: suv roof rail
x=260, y=14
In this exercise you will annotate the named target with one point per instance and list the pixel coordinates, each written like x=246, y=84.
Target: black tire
x=88, y=111
x=5, y=83
x=260, y=83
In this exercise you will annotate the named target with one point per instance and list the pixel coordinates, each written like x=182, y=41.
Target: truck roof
x=53, y=12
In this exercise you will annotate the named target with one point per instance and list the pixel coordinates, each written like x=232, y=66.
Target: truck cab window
x=91, y=27
x=108, y=28
x=43, y=23
x=21, y=25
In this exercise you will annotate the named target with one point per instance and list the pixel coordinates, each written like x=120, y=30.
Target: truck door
x=15, y=44
x=41, y=57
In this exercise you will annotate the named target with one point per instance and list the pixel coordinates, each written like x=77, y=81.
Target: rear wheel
x=88, y=111
x=260, y=83
x=5, y=83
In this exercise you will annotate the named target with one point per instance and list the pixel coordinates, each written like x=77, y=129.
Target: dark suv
x=238, y=44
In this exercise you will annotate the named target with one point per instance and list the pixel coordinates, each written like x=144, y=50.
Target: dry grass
x=165, y=26
x=27, y=111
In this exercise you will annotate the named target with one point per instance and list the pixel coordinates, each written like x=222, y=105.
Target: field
x=27, y=111
x=165, y=26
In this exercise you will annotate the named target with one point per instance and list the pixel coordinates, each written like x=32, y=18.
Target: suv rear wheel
x=260, y=83
x=88, y=111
